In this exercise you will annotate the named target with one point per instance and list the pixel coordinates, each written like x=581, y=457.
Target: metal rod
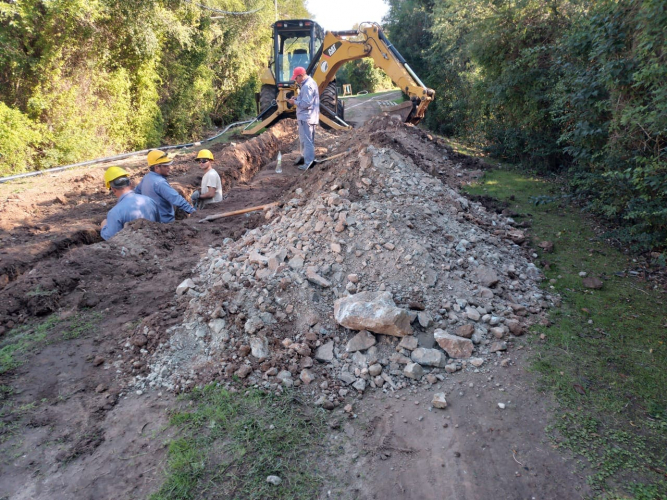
x=412, y=74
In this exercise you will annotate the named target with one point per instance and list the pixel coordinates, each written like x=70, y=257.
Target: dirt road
x=402, y=448
x=359, y=109
x=73, y=309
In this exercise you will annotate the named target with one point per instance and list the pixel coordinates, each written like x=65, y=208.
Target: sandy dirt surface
x=73, y=424
x=359, y=109
x=402, y=448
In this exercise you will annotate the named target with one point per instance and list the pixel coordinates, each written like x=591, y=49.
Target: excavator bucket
x=403, y=110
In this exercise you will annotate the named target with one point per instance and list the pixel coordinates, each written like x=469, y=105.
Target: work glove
x=194, y=197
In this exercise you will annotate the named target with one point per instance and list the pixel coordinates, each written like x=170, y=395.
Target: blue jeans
x=307, y=141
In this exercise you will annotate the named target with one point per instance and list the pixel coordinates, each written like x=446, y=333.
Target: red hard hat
x=298, y=71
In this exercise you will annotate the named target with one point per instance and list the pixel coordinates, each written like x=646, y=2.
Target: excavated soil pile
x=379, y=240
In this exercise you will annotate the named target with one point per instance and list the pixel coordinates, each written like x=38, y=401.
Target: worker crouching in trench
x=130, y=205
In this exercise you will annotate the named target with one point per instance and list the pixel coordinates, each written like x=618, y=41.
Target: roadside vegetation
x=604, y=355
x=576, y=88
x=80, y=80
x=231, y=442
x=363, y=75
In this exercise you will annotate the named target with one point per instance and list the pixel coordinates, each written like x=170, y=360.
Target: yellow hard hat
x=113, y=173
x=157, y=157
x=205, y=154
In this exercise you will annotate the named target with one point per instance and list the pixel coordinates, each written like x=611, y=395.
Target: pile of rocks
x=376, y=276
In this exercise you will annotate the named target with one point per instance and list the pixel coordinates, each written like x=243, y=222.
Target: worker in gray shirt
x=307, y=114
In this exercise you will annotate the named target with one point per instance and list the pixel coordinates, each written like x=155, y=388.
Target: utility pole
x=275, y=3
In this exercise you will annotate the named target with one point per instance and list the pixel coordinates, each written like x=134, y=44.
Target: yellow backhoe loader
x=302, y=42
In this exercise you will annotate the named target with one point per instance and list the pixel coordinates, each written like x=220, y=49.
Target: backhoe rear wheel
x=267, y=96
x=328, y=100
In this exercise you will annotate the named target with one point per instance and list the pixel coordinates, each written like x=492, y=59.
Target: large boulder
x=515, y=327
x=185, y=286
x=465, y=331
x=413, y=371
x=456, y=347
x=372, y=311
x=313, y=277
x=259, y=347
x=439, y=400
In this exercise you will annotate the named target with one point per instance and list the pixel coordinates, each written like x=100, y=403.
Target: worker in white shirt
x=211, y=185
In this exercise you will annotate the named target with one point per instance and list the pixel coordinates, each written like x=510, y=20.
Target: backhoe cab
x=302, y=42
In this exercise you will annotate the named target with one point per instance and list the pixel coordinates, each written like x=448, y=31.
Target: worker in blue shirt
x=130, y=206
x=155, y=186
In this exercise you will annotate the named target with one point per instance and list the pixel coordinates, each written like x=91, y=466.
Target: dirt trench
x=65, y=420
x=41, y=225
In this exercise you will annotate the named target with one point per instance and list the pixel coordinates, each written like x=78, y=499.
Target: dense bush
x=571, y=86
x=20, y=139
x=79, y=79
x=613, y=112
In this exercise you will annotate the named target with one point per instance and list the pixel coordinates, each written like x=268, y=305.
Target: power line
x=229, y=13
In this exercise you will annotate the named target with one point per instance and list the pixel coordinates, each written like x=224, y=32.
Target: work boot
x=299, y=161
x=306, y=167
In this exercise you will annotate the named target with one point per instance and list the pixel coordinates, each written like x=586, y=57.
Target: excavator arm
x=337, y=48
x=340, y=47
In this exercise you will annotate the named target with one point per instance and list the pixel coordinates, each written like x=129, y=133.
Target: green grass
x=5, y=392
x=38, y=292
x=230, y=442
x=19, y=342
x=605, y=355
x=81, y=324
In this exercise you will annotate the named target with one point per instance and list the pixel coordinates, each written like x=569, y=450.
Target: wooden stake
x=238, y=212
x=332, y=157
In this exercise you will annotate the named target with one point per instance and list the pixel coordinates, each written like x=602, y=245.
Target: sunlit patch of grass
x=22, y=339
x=231, y=442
